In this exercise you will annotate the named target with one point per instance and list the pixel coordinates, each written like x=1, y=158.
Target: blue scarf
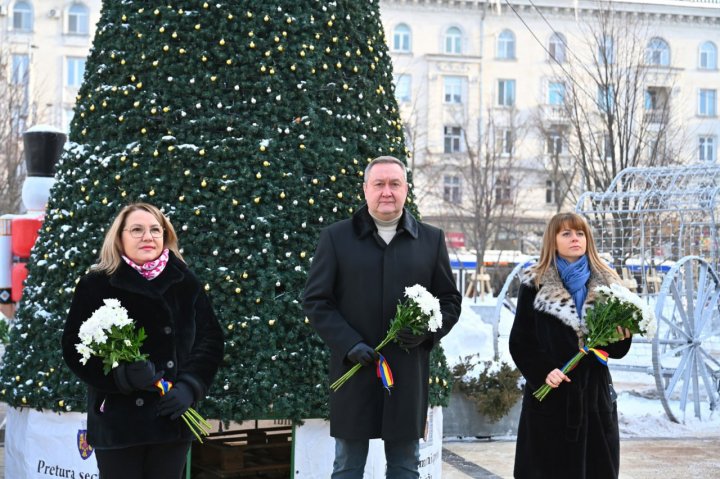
x=575, y=277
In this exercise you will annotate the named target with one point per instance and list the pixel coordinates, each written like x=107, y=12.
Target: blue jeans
x=403, y=459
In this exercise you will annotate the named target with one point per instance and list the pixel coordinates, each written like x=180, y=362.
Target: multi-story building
x=512, y=109
x=484, y=88
x=44, y=44
x=43, y=48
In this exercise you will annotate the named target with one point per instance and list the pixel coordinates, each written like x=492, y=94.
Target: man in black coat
x=358, y=276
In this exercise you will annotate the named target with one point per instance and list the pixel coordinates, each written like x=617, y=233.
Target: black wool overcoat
x=352, y=291
x=573, y=432
x=183, y=338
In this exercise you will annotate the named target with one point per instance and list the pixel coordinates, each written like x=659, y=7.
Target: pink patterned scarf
x=151, y=269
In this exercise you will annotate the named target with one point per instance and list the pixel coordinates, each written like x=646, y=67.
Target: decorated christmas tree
x=250, y=124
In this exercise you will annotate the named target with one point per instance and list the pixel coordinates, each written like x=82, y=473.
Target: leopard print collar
x=552, y=297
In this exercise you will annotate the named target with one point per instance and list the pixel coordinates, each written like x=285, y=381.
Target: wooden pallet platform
x=246, y=453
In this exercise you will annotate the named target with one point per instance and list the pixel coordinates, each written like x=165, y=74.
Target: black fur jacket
x=573, y=432
x=183, y=338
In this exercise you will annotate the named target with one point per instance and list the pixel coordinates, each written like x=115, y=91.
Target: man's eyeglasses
x=138, y=232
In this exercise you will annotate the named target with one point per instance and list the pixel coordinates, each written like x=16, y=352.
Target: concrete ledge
x=461, y=419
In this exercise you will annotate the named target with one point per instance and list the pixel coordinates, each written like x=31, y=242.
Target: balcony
x=556, y=114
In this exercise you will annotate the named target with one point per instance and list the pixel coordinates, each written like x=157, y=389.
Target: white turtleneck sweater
x=386, y=229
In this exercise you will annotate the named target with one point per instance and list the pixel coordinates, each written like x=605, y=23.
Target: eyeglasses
x=138, y=232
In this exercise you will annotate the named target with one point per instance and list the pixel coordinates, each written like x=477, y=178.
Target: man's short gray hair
x=385, y=159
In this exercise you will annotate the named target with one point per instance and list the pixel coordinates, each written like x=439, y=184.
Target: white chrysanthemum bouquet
x=420, y=312
x=109, y=333
x=615, y=306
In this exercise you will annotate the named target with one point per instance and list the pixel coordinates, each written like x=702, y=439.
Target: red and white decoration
x=43, y=146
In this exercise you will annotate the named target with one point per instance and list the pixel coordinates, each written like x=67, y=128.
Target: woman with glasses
x=134, y=431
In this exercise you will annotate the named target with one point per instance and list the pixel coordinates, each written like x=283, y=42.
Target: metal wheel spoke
x=676, y=376
x=682, y=329
x=669, y=353
x=696, y=384
x=706, y=378
x=687, y=376
x=689, y=297
x=709, y=358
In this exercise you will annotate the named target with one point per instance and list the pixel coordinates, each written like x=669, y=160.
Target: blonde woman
x=134, y=431
x=573, y=432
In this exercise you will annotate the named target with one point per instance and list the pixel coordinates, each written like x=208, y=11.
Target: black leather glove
x=176, y=401
x=362, y=354
x=140, y=375
x=408, y=340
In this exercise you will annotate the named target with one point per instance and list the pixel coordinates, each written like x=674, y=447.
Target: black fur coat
x=183, y=338
x=573, y=432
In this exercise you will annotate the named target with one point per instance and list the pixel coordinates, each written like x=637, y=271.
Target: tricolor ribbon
x=192, y=419
x=600, y=355
x=164, y=386
x=384, y=372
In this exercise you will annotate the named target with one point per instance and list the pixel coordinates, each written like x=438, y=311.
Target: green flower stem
x=192, y=429
x=343, y=379
x=545, y=389
x=195, y=422
x=407, y=315
x=201, y=420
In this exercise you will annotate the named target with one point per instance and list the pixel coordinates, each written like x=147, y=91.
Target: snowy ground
x=641, y=413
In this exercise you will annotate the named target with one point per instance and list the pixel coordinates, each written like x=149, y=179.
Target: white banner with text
x=43, y=445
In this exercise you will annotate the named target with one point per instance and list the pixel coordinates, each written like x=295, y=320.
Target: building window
x=606, y=98
x=606, y=50
x=550, y=198
x=707, y=101
x=556, y=93
x=503, y=190
x=706, y=150
x=453, y=139
x=554, y=144
x=75, y=72
x=401, y=38
x=79, y=19
x=656, y=103
x=22, y=17
x=657, y=53
x=506, y=45
x=505, y=137
x=453, y=89
x=402, y=88
x=453, y=41
x=451, y=189
x=708, y=56
x=506, y=92
x=557, y=47
x=20, y=69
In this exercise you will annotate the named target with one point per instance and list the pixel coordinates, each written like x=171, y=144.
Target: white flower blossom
x=644, y=314
x=428, y=304
x=94, y=331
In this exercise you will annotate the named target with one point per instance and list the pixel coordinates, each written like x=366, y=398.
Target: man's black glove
x=140, y=375
x=408, y=340
x=176, y=401
x=362, y=354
